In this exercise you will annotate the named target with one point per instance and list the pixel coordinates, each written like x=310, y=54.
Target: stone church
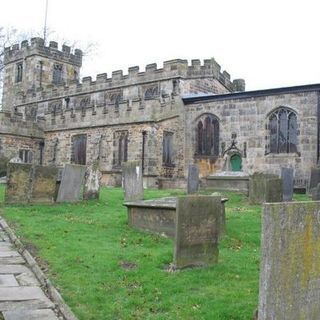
x=166, y=118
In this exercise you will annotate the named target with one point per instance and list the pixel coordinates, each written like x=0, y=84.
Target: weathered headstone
x=71, y=186
x=287, y=183
x=92, y=182
x=132, y=181
x=273, y=190
x=197, y=231
x=314, y=179
x=18, y=183
x=193, y=178
x=264, y=188
x=290, y=265
x=43, y=184
x=316, y=193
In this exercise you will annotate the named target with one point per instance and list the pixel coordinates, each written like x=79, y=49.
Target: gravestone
x=132, y=181
x=290, y=264
x=92, y=182
x=273, y=190
x=316, y=193
x=314, y=178
x=197, y=231
x=43, y=184
x=18, y=183
x=71, y=186
x=264, y=188
x=193, y=179
x=287, y=183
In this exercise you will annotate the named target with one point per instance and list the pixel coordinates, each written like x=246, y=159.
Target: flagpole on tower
x=45, y=23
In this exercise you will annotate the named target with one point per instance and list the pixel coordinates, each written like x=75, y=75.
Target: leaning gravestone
x=314, y=178
x=71, y=186
x=44, y=181
x=92, y=182
x=290, y=265
x=18, y=183
x=193, y=179
x=287, y=183
x=132, y=181
x=197, y=231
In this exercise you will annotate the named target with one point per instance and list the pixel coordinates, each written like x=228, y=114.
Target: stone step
x=8, y=280
x=21, y=294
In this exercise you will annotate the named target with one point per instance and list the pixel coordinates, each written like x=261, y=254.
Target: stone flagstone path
x=21, y=294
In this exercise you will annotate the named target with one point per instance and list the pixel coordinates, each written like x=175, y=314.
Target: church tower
x=31, y=67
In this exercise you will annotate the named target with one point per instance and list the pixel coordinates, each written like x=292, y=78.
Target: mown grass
x=105, y=270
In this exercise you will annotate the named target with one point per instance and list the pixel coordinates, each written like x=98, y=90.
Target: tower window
x=57, y=74
x=19, y=72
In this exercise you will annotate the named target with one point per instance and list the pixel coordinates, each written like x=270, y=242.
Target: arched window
x=208, y=136
x=151, y=92
x=283, y=131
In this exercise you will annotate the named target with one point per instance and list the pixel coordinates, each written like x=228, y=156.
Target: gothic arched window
x=208, y=136
x=283, y=131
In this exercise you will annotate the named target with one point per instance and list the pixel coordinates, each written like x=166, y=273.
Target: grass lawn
x=105, y=270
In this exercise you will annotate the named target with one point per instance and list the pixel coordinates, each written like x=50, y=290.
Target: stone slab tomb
x=159, y=216
x=197, y=231
x=30, y=184
x=193, y=178
x=92, y=182
x=71, y=186
x=287, y=183
x=290, y=264
x=314, y=179
x=265, y=188
x=132, y=181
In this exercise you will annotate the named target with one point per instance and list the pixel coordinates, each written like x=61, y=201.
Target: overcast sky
x=269, y=43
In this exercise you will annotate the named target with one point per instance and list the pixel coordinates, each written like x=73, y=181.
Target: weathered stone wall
x=18, y=135
x=248, y=118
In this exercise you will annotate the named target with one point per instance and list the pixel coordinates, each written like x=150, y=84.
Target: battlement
x=37, y=46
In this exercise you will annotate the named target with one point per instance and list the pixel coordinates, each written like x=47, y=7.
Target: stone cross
x=290, y=264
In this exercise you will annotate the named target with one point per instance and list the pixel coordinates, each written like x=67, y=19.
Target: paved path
x=21, y=295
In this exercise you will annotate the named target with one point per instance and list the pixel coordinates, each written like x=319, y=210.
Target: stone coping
x=227, y=177
x=167, y=203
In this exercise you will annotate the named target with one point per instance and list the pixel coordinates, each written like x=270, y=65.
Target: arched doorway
x=236, y=162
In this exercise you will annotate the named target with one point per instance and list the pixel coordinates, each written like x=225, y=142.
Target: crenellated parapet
x=37, y=46
x=172, y=71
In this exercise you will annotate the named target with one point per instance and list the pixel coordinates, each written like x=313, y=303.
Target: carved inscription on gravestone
x=197, y=230
x=71, y=186
x=290, y=264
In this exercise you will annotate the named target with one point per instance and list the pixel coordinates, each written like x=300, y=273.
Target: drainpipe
x=144, y=136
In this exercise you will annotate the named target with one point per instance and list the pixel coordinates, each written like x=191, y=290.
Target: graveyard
x=107, y=270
